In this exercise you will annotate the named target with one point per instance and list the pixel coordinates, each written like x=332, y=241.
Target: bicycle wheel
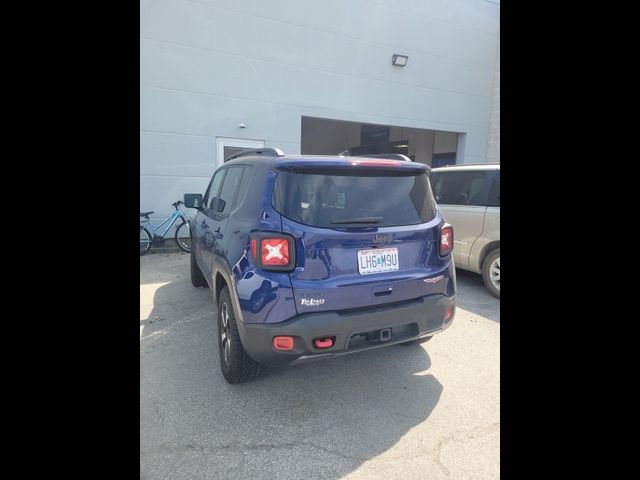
x=145, y=240
x=183, y=237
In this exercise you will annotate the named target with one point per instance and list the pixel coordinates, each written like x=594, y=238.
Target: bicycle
x=149, y=238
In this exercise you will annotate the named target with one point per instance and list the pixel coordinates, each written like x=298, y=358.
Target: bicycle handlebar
x=176, y=204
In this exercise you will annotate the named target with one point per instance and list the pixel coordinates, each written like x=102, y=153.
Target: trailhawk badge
x=311, y=302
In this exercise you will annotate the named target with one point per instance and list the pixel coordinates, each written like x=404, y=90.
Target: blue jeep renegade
x=310, y=257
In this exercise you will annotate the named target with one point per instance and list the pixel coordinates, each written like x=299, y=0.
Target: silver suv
x=469, y=197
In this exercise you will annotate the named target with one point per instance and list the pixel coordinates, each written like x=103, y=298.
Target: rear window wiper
x=359, y=220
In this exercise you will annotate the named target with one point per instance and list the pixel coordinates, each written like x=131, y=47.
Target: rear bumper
x=421, y=317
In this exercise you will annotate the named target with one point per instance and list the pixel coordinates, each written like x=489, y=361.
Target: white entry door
x=228, y=146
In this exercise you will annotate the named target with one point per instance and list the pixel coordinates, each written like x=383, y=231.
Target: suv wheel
x=237, y=366
x=491, y=273
x=197, y=278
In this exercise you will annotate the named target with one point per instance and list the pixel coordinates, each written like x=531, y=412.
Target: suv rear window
x=320, y=199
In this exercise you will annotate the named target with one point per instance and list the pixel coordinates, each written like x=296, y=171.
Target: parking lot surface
x=427, y=411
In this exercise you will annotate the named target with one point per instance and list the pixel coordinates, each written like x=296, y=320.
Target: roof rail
x=268, y=152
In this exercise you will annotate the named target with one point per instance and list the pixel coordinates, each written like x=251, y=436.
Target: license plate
x=378, y=261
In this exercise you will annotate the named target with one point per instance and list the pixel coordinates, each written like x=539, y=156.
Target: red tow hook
x=324, y=342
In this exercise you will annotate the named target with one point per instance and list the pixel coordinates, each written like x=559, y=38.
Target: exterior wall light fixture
x=399, y=60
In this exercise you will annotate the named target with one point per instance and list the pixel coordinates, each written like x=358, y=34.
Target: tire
x=183, y=237
x=145, y=240
x=197, y=278
x=415, y=342
x=491, y=273
x=236, y=365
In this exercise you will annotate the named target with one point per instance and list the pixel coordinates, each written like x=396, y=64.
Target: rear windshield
x=339, y=200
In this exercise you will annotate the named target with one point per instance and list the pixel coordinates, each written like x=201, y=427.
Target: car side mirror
x=220, y=204
x=193, y=200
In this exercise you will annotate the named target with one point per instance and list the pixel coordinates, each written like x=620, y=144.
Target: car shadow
x=319, y=420
x=476, y=299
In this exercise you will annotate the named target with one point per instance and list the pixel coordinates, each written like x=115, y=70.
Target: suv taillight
x=273, y=251
x=446, y=240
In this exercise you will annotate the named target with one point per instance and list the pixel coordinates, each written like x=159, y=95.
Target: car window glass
x=459, y=188
x=246, y=176
x=229, y=189
x=325, y=199
x=214, y=188
x=494, y=193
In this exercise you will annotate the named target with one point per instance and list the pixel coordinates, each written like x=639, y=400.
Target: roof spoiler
x=387, y=156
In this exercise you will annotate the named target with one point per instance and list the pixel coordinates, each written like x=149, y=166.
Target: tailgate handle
x=381, y=291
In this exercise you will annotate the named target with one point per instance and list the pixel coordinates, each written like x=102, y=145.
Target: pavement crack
x=332, y=452
x=194, y=316
x=235, y=446
x=197, y=315
x=438, y=457
x=158, y=413
x=461, y=436
x=157, y=333
x=404, y=415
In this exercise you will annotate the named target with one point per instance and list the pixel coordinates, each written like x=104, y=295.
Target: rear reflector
x=324, y=342
x=446, y=239
x=448, y=313
x=283, y=343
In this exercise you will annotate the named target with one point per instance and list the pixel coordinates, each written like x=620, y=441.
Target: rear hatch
x=366, y=233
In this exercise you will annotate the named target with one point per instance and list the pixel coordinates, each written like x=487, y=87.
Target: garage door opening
x=323, y=136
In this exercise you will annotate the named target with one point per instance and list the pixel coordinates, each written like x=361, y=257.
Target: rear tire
x=491, y=273
x=236, y=365
x=197, y=278
x=415, y=342
x=145, y=240
x=183, y=237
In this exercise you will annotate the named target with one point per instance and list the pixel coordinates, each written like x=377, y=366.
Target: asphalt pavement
x=429, y=411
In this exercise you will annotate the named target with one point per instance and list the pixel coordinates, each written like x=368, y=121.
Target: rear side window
x=494, y=192
x=246, y=176
x=460, y=188
x=335, y=199
x=211, y=196
x=229, y=188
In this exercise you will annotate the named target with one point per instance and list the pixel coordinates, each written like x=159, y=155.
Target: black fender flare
x=222, y=268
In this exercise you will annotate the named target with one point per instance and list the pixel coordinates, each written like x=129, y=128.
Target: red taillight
x=275, y=252
x=283, y=343
x=272, y=251
x=446, y=239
